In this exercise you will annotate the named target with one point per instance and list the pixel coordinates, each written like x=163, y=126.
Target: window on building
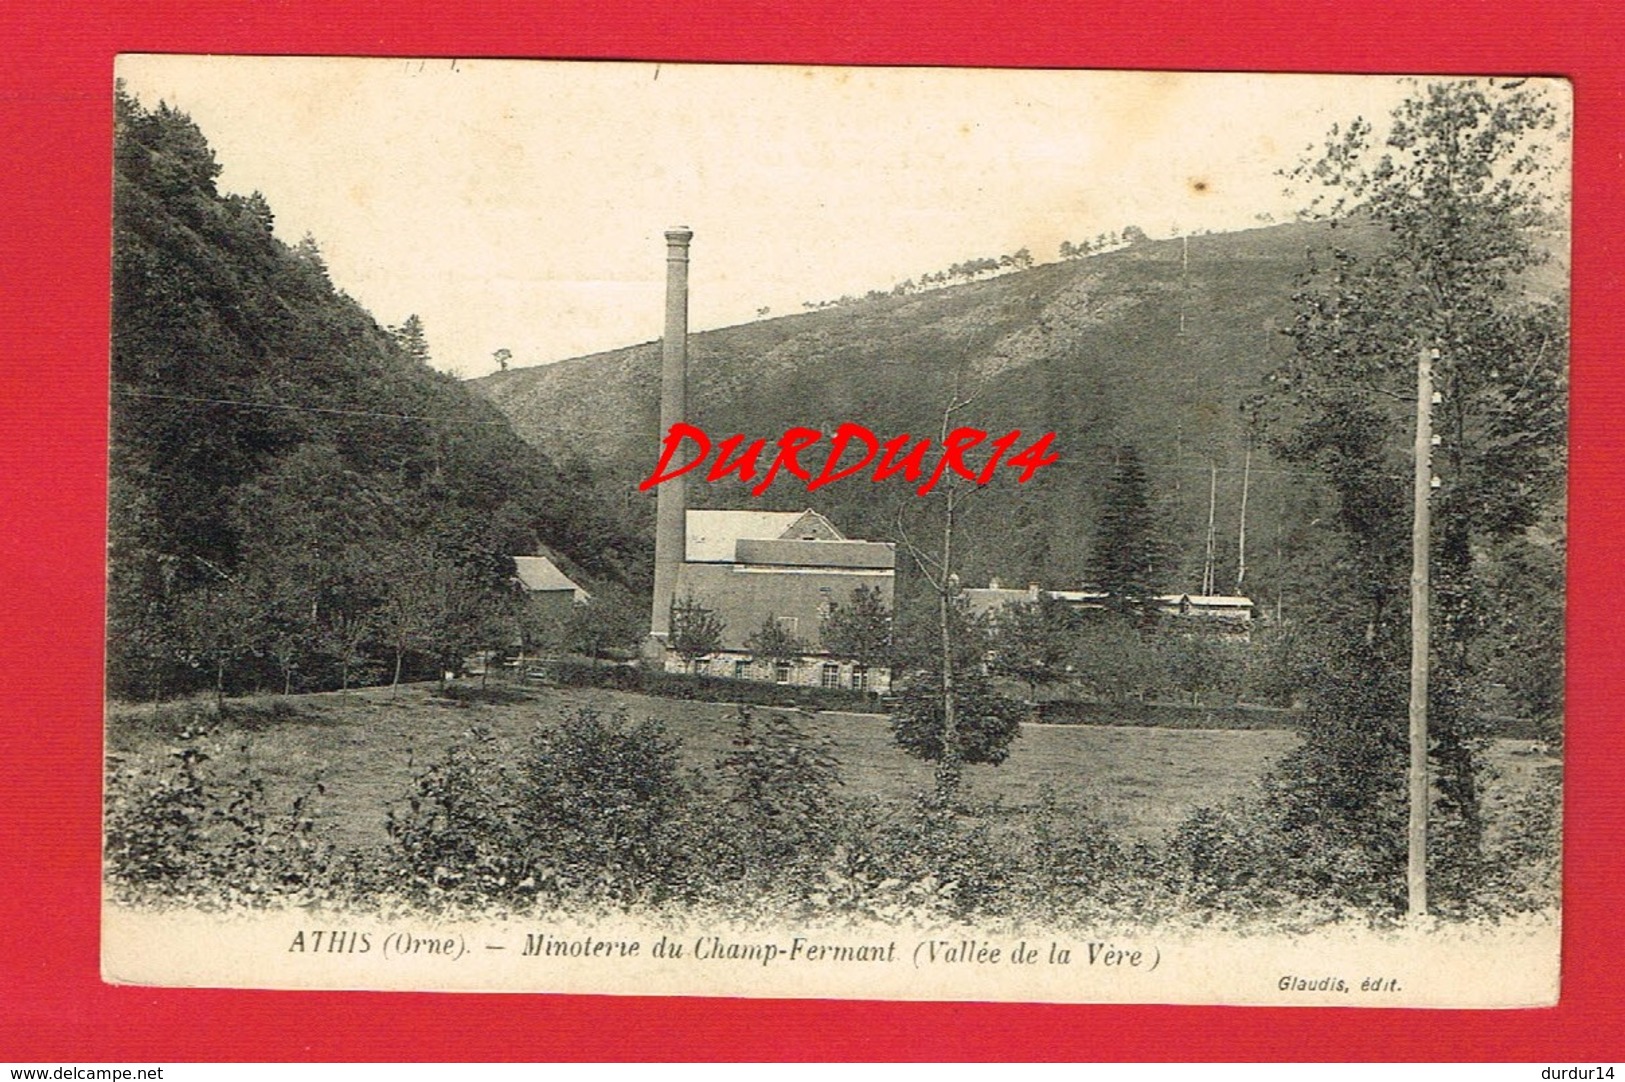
x=781, y=672
x=789, y=623
x=831, y=677
x=860, y=677
x=741, y=670
x=702, y=666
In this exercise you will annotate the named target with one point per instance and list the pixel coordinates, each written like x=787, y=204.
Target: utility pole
x=1212, y=506
x=1184, y=279
x=1241, y=531
x=1416, y=878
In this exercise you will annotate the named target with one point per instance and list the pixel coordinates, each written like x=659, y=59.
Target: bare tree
x=938, y=570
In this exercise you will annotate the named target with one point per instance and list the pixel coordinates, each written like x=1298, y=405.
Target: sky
x=521, y=205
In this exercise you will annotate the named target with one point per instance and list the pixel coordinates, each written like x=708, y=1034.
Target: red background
x=55, y=133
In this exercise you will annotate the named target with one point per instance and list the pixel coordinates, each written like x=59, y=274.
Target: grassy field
x=366, y=746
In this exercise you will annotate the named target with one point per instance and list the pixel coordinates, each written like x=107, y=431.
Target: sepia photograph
x=837, y=533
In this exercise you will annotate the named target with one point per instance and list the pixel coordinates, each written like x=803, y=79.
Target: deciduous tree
x=783, y=782
x=861, y=629
x=773, y=642
x=696, y=631
x=1111, y=658
x=1032, y=642
x=1458, y=194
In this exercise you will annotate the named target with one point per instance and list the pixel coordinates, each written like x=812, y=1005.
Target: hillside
x=291, y=484
x=1155, y=345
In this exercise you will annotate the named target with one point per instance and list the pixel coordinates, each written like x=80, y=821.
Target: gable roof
x=811, y=526
x=713, y=536
x=538, y=574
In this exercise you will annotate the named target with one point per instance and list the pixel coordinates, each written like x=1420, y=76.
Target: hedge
x=708, y=689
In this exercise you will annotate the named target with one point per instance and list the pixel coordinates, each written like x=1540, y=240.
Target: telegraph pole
x=1241, y=532
x=1416, y=879
x=1212, y=506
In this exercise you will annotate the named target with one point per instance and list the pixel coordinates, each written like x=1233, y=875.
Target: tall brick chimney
x=671, y=506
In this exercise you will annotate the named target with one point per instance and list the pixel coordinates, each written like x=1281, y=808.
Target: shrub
x=182, y=720
x=491, y=694
x=459, y=830
x=600, y=808
x=1071, y=852
x=939, y=863
x=259, y=713
x=1256, y=857
x=1166, y=715
x=781, y=783
x=710, y=689
x=1228, y=859
x=188, y=827
x=985, y=721
x=1523, y=861
x=594, y=811
x=155, y=818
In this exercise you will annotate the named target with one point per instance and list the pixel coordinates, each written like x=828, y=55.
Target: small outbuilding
x=549, y=592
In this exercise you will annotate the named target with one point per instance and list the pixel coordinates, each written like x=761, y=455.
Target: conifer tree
x=1128, y=560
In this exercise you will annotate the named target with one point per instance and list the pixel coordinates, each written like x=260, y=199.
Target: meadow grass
x=366, y=746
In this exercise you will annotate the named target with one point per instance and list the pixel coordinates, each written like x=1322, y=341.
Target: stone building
x=790, y=567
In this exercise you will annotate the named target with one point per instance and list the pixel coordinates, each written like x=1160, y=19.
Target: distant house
x=792, y=567
x=549, y=592
x=1225, y=615
x=988, y=600
x=1219, y=613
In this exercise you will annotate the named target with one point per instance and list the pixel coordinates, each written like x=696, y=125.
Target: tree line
x=968, y=270
x=1103, y=242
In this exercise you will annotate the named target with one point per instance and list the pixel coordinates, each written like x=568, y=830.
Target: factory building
x=748, y=567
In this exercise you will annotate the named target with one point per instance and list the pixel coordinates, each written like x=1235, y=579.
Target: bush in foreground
x=595, y=812
x=195, y=825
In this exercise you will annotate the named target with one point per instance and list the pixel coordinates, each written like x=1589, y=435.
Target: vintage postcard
x=1051, y=536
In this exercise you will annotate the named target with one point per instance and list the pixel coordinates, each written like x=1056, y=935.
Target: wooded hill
x=1155, y=346
x=291, y=484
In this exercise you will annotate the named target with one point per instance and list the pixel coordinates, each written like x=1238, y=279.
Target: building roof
x=538, y=574
x=1209, y=601
x=984, y=600
x=1078, y=597
x=992, y=598
x=825, y=554
x=714, y=535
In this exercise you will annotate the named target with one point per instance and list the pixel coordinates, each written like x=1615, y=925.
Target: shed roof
x=539, y=574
